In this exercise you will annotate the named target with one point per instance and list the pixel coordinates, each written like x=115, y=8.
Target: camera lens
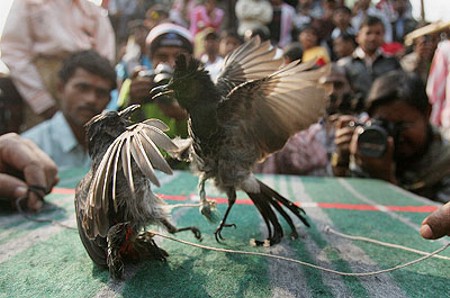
x=372, y=142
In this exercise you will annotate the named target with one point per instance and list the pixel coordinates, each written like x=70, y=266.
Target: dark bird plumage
x=114, y=202
x=250, y=112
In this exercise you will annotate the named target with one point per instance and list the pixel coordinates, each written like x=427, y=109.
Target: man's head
x=342, y=16
x=400, y=98
x=229, y=41
x=340, y=95
x=166, y=41
x=211, y=42
x=86, y=81
x=344, y=45
x=370, y=35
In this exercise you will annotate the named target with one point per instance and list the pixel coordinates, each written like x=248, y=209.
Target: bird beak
x=126, y=113
x=160, y=91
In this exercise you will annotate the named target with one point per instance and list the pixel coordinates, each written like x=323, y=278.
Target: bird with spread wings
x=256, y=104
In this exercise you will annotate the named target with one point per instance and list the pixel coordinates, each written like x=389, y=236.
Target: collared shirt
x=51, y=29
x=55, y=137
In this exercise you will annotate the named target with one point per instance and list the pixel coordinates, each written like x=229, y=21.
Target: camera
x=161, y=75
x=372, y=142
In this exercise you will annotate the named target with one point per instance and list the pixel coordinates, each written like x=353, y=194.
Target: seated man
x=398, y=144
x=86, y=81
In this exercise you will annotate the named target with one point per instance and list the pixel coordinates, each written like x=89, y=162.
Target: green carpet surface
x=47, y=260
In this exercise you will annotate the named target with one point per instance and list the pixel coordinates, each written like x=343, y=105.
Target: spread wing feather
x=268, y=111
x=253, y=60
x=139, y=144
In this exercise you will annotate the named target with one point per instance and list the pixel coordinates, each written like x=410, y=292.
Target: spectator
x=307, y=11
x=404, y=23
x=206, y=15
x=368, y=61
x=342, y=21
x=292, y=52
x=252, y=14
x=211, y=59
x=24, y=165
x=343, y=46
x=181, y=11
x=229, y=41
x=282, y=23
x=309, y=39
x=412, y=154
x=308, y=151
x=419, y=60
x=155, y=15
x=86, y=80
x=121, y=12
x=135, y=51
x=362, y=9
x=164, y=43
x=38, y=36
x=438, y=87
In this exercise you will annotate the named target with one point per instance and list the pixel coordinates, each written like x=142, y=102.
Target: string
x=306, y=264
x=327, y=229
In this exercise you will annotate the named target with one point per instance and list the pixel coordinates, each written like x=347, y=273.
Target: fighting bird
x=114, y=202
x=250, y=112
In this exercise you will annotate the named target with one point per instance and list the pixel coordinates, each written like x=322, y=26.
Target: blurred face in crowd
x=370, y=38
x=83, y=96
x=211, y=46
x=308, y=39
x=341, y=19
x=413, y=136
x=338, y=92
x=400, y=6
x=342, y=47
x=227, y=45
x=167, y=55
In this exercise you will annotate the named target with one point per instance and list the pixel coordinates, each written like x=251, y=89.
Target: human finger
x=437, y=224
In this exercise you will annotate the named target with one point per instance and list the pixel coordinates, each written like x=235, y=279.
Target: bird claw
x=218, y=232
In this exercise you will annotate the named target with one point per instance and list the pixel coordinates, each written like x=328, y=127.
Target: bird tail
x=267, y=201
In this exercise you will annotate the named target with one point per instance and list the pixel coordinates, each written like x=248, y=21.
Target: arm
x=23, y=164
x=16, y=47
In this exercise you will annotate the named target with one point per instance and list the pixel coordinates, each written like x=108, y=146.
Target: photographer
x=397, y=144
x=164, y=43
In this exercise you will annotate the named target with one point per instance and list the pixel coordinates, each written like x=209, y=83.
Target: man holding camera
x=164, y=43
x=397, y=143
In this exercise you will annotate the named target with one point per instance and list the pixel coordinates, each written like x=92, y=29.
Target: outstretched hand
x=24, y=165
x=437, y=224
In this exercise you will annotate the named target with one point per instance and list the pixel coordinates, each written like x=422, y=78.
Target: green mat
x=47, y=260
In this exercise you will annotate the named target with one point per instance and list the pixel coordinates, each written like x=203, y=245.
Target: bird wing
x=138, y=144
x=251, y=61
x=268, y=111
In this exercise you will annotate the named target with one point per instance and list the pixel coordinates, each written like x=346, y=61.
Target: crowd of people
x=387, y=114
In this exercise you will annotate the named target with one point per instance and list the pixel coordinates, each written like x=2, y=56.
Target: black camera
x=372, y=142
x=161, y=75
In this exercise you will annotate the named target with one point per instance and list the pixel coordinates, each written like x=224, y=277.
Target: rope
x=355, y=274
x=38, y=191
x=328, y=229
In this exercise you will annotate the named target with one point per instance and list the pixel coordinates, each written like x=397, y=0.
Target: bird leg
x=207, y=207
x=116, y=237
x=231, y=194
x=173, y=229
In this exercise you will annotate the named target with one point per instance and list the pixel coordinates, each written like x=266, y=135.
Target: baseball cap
x=169, y=35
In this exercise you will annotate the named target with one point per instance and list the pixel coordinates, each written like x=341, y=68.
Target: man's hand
x=23, y=164
x=377, y=167
x=437, y=224
x=140, y=87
